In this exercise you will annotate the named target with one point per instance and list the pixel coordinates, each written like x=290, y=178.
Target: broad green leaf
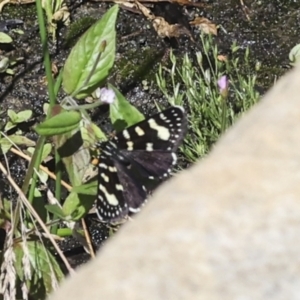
x=21, y=140
x=9, y=125
x=43, y=176
x=10, y=71
x=294, y=54
x=75, y=154
x=5, y=38
x=7, y=143
x=56, y=210
x=87, y=188
x=98, y=132
x=23, y=116
x=92, y=57
x=12, y=115
x=64, y=232
x=89, y=135
x=78, y=205
x=63, y=122
x=46, y=151
x=122, y=113
x=18, y=31
x=4, y=64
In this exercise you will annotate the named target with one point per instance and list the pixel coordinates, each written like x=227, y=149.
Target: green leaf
x=7, y=143
x=12, y=115
x=21, y=140
x=5, y=38
x=122, y=113
x=9, y=125
x=23, y=116
x=92, y=57
x=75, y=155
x=46, y=151
x=78, y=205
x=294, y=54
x=88, y=134
x=4, y=64
x=86, y=189
x=63, y=122
x=43, y=176
x=56, y=210
x=10, y=71
x=98, y=132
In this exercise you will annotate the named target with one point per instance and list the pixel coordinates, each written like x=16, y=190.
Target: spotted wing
x=142, y=152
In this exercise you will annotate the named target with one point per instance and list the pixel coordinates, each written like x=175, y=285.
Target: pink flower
x=223, y=83
x=107, y=96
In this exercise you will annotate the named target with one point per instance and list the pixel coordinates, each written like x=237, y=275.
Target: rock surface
x=227, y=228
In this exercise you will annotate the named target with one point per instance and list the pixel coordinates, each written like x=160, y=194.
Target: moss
x=135, y=66
x=22, y=12
x=76, y=29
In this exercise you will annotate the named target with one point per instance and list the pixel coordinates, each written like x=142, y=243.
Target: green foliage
x=56, y=11
x=77, y=205
x=17, y=118
x=5, y=38
x=194, y=84
x=294, y=54
x=122, y=113
x=92, y=57
x=63, y=122
x=72, y=134
x=36, y=268
x=7, y=141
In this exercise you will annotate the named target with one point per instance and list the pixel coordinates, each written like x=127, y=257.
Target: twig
x=245, y=10
x=88, y=238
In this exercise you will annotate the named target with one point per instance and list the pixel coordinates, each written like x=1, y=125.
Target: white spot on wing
x=134, y=210
x=149, y=147
x=105, y=178
x=110, y=198
x=126, y=134
x=139, y=131
x=130, y=146
x=162, y=132
x=162, y=116
x=103, y=166
x=174, y=156
x=112, y=169
x=119, y=187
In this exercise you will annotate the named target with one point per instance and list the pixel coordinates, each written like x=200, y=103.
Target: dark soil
x=270, y=33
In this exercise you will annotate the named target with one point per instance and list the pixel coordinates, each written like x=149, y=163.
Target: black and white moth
x=136, y=160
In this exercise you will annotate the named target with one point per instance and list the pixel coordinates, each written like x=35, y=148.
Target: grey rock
x=227, y=228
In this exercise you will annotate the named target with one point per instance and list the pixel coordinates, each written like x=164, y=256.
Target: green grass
x=193, y=83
